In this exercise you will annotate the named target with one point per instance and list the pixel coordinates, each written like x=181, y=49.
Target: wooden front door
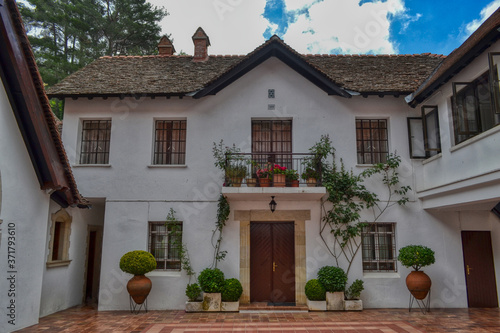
x=479, y=269
x=272, y=262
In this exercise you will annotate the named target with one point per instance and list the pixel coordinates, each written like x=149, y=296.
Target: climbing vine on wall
x=223, y=211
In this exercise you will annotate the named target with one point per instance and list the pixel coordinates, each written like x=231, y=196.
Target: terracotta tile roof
x=75, y=197
x=179, y=75
x=481, y=39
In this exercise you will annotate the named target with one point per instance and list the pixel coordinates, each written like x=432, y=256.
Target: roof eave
x=423, y=92
x=273, y=49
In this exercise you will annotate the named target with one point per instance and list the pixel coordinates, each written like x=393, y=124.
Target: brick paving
x=86, y=319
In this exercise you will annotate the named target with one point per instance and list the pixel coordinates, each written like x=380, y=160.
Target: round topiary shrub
x=315, y=291
x=137, y=262
x=211, y=280
x=231, y=291
x=416, y=256
x=193, y=292
x=332, y=278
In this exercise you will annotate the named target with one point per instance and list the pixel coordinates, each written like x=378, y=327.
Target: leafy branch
x=223, y=211
x=174, y=232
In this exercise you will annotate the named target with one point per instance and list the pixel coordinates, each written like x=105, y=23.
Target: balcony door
x=272, y=142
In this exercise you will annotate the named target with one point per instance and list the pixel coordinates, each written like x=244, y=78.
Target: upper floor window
x=272, y=141
x=475, y=104
x=170, y=142
x=430, y=124
x=95, y=142
x=165, y=244
x=371, y=141
x=378, y=242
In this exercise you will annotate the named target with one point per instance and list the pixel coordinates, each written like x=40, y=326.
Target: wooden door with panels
x=479, y=269
x=272, y=262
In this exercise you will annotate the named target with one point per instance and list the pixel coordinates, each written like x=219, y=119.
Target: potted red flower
x=279, y=175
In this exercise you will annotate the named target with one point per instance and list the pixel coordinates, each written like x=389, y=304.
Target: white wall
x=136, y=194
x=25, y=209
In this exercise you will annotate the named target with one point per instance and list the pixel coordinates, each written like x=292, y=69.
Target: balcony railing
x=264, y=169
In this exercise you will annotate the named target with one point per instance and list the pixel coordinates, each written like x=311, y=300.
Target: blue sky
x=327, y=26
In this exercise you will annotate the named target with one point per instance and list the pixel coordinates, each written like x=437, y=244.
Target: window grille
x=95, y=142
x=372, y=141
x=379, y=247
x=165, y=244
x=274, y=137
x=170, y=142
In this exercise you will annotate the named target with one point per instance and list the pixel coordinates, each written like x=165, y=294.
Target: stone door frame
x=299, y=218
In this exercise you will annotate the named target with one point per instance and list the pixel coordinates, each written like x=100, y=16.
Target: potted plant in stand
x=138, y=263
x=193, y=293
x=211, y=281
x=235, y=174
x=417, y=256
x=292, y=178
x=316, y=295
x=352, y=294
x=334, y=280
x=279, y=175
x=264, y=176
x=230, y=295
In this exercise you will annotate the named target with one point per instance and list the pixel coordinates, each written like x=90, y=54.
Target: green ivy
x=223, y=211
x=175, y=235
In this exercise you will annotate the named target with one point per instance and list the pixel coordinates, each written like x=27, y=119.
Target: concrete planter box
x=194, y=306
x=335, y=301
x=211, y=301
x=353, y=305
x=316, y=305
x=230, y=306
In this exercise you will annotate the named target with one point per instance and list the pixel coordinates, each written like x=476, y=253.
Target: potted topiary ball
x=230, y=295
x=138, y=263
x=316, y=295
x=334, y=280
x=211, y=281
x=417, y=256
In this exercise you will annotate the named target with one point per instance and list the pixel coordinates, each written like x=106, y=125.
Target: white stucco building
x=139, y=131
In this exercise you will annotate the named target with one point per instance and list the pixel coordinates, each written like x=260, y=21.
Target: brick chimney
x=201, y=44
x=165, y=46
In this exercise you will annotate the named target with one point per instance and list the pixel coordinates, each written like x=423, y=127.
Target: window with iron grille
x=95, y=142
x=371, y=141
x=272, y=141
x=165, y=243
x=170, y=142
x=378, y=243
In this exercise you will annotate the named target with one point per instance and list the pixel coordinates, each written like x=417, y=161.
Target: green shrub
x=137, y=262
x=193, y=292
x=211, y=280
x=416, y=256
x=332, y=278
x=231, y=291
x=315, y=291
x=354, y=290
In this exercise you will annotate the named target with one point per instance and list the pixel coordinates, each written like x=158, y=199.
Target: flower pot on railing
x=311, y=182
x=251, y=182
x=264, y=182
x=294, y=183
x=279, y=180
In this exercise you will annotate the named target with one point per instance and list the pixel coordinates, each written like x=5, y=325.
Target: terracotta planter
x=294, y=183
x=418, y=284
x=311, y=182
x=139, y=287
x=251, y=182
x=279, y=180
x=236, y=181
x=264, y=182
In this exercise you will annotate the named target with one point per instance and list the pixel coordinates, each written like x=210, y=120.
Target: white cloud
x=485, y=13
x=233, y=26
x=344, y=26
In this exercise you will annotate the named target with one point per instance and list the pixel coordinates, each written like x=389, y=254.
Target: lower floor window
x=379, y=247
x=165, y=244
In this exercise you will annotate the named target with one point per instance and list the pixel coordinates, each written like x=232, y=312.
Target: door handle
x=468, y=270
x=274, y=266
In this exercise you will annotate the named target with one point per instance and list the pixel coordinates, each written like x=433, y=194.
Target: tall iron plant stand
x=424, y=304
x=136, y=308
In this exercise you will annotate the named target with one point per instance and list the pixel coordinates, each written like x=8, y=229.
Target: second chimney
x=165, y=46
x=201, y=44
